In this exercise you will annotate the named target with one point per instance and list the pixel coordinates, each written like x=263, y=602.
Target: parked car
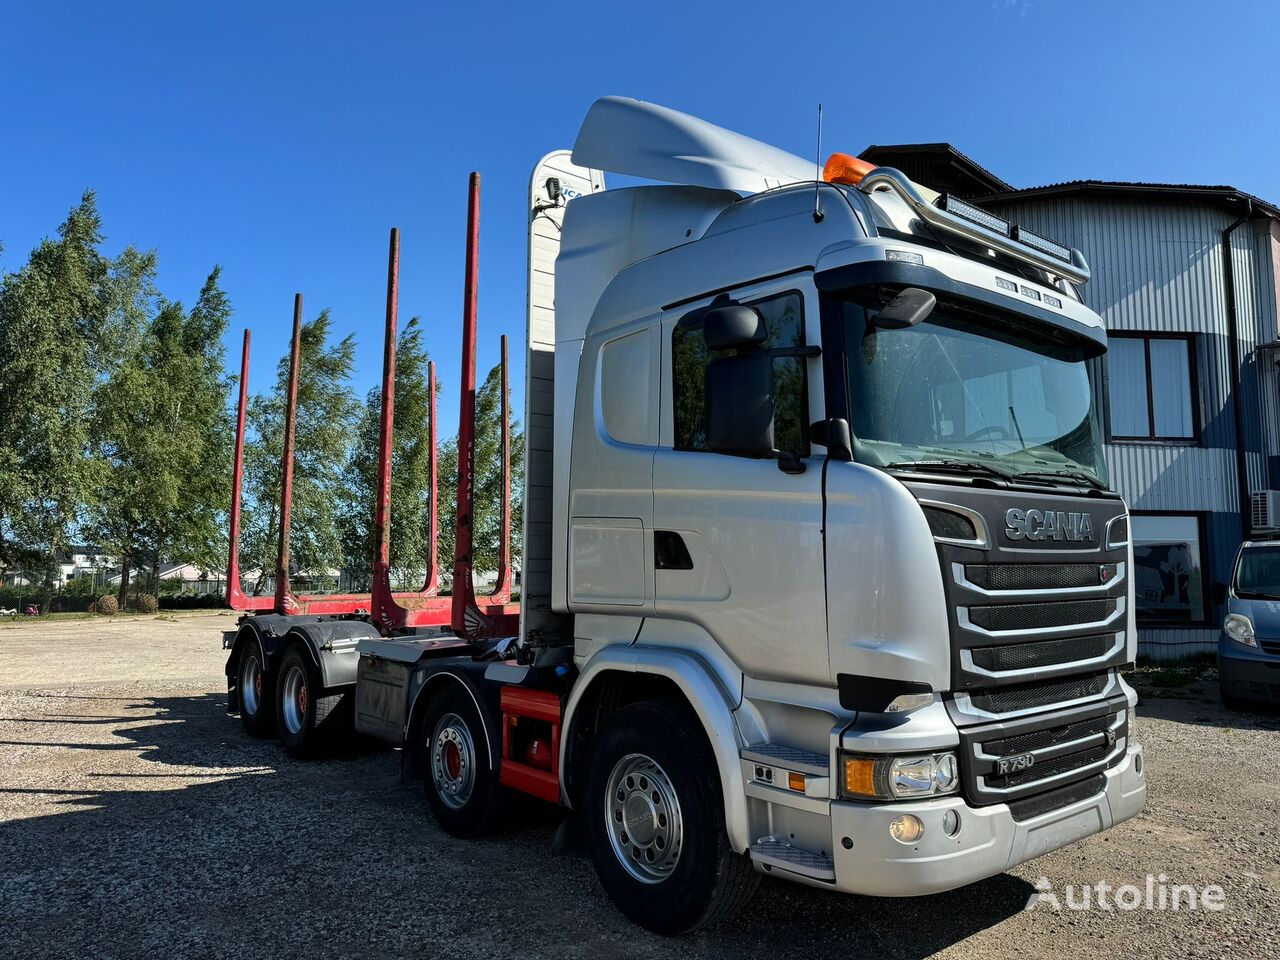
x=1249, y=648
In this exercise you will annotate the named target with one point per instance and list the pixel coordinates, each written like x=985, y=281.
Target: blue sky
x=282, y=140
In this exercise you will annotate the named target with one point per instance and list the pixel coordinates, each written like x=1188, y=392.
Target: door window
x=784, y=319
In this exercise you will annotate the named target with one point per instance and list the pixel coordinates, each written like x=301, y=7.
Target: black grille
x=1024, y=696
x=1039, y=576
x=1057, y=799
x=1042, y=653
x=1270, y=646
x=1051, y=768
x=1024, y=742
x=1032, y=616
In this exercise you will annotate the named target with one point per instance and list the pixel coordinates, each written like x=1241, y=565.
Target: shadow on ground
x=258, y=855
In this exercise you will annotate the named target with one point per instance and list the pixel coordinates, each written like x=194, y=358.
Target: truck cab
x=834, y=462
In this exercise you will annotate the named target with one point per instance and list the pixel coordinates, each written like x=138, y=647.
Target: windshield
x=985, y=389
x=1258, y=576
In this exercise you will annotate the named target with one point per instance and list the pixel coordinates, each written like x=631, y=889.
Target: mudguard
x=709, y=700
x=332, y=646
x=267, y=630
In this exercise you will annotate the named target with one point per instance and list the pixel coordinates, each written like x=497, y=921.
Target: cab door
x=738, y=549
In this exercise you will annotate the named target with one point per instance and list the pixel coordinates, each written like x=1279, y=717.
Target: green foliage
x=488, y=483
x=79, y=587
x=326, y=417
x=410, y=473
x=162, y=433
x=53, y=312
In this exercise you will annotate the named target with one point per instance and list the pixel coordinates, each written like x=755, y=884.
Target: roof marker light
x=842, y=168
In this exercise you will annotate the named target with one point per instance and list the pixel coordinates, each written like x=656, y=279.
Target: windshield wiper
x=1077, y=475
x=973, y=467
x=1252, y=595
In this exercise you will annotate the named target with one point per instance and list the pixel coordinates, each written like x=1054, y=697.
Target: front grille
x=1025, y=696
x=1065, y=747
x=1057, y=799
x=1040, y=739
x=1270, y=646
x=1039, y=576
x=1042, y=653
x=1072, y=761
x=1034, y=616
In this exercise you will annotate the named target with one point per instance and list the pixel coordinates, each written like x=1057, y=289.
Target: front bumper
x=1248, y=673
x=989, y=841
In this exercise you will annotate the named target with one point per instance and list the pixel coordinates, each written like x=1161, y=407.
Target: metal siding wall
x=1157, y=266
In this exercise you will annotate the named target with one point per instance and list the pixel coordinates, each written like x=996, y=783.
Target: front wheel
x=1234, y=703
x=655, y=822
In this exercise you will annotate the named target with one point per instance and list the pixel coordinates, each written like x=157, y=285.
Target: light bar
x=958, y=217
x=976, y=215
x=1043, y=245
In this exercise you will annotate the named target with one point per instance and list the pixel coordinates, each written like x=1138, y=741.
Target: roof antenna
x=817, y=173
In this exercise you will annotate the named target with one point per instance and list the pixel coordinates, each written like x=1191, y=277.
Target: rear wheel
x=655, y=822
x=310, y=722
x=459, y=780
x=256, y=713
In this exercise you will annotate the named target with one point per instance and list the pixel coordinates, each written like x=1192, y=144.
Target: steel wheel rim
x=643, y=819
x=294, y=699
x=251, y=685
x=453, y=761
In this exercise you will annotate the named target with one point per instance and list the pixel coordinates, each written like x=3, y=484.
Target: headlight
x=899, y=778
x=1240, y=629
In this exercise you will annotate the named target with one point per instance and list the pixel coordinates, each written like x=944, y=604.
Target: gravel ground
x=137, y=820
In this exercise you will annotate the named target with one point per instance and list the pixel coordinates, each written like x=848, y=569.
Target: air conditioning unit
x=1264, y=511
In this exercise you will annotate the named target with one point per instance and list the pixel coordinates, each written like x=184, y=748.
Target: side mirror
x=1219, y=594
x=835, y=435
x=739, y=405
x=734, y=326
x=908, y=308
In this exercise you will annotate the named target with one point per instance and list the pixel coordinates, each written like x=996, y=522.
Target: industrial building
x=1186, y=278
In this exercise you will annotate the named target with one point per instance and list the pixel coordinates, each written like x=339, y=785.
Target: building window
x=1151, y=387
x=784, y=319
x=1168, y=571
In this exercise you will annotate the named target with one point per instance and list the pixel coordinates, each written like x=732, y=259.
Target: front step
x=773, y=852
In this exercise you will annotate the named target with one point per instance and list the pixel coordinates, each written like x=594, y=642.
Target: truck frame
x=797, y=596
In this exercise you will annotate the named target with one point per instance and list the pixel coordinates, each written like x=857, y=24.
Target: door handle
x=669, y=551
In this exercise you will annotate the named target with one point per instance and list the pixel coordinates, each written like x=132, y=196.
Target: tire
x=257, y=712
x=310, y=722
x=459, y=780
x=658, y=750
x=1232, y=702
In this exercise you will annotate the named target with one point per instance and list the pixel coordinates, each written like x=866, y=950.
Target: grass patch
x=167, y=615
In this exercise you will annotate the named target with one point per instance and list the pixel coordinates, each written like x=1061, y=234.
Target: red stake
x=502, y=591
x=432, y=586
x=382, y=509
x=465, y=618
x=284, y=602
x=236, y=598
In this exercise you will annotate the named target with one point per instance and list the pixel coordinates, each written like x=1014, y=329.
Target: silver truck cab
x=876, y=551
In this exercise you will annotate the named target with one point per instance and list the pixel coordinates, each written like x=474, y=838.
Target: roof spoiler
x=980, y=226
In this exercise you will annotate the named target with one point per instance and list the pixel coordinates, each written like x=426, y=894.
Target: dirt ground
x=137, y=820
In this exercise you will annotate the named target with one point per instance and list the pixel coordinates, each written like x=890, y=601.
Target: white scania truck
x=822, y=576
